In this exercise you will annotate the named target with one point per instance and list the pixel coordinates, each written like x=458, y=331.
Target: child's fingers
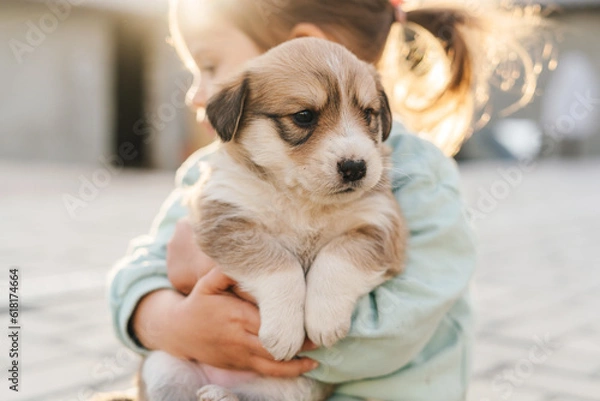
x=257, y=349
x=251, y=318
x=293, y=368
x=309, y=345
x=244, y=295
x=214, y=282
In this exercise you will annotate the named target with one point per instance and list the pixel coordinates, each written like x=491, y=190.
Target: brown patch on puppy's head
x=310, y=114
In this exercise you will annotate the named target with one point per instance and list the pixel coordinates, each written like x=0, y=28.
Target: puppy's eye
x=368, y=114
x=305, y=118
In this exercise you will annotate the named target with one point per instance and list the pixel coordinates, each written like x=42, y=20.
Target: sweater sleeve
x=144, y=269
x=393, y=324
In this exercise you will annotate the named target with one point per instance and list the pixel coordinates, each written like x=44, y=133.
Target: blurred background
x=93, y=124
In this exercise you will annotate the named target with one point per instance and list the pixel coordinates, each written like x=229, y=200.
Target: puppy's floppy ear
x=385, y=114
x=226, y=108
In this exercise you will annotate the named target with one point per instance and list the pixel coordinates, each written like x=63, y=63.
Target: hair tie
x=399, y=14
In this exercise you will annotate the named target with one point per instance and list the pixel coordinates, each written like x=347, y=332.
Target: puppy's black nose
x=352, y=170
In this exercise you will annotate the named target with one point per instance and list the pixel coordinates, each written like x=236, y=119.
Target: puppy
x=297, y=208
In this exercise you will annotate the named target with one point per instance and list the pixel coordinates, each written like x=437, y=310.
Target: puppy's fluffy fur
x=298, y=209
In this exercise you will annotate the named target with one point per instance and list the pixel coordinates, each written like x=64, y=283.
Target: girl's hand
x=186, y=263
x=211, y=326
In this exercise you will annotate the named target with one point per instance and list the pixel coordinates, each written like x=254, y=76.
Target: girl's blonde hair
x=437, y=66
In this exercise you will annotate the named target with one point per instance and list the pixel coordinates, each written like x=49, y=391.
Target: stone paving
x=537, y=289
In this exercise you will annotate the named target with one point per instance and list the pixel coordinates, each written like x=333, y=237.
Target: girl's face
x=217, y=50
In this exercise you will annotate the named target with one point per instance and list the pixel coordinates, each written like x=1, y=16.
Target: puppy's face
x=310, y=116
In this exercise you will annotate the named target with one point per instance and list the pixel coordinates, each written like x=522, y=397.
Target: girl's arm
x=143, y=270
x=393, y=324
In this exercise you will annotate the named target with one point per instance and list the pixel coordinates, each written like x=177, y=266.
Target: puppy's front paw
x=213, y=392
x=327, y=321
x=283, y=338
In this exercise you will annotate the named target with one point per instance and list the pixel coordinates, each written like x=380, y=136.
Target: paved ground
x=537, y=288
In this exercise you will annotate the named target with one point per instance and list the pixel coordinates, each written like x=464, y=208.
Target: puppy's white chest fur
x=301, y=226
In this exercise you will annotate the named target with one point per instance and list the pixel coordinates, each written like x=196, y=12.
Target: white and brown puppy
x=298, y=209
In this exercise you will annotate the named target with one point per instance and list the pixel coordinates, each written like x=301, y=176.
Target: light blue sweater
x=411, y=337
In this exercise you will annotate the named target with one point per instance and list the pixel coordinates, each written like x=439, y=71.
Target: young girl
x=410, y=338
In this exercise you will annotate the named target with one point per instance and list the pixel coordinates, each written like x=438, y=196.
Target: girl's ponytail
x=438, y=67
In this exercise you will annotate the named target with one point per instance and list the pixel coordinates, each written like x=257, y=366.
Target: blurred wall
x=581, y=29
x=88, y=81
x=577, y=28
x=57, y=80
x=172, y=129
